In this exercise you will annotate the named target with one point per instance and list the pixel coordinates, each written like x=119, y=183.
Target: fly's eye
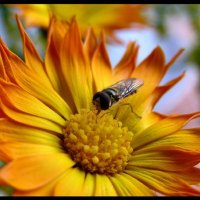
x=102, y=99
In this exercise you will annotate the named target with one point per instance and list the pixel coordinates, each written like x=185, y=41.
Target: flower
x=53, y=140
x=107, y=17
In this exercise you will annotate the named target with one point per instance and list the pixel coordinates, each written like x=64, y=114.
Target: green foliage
x=10, y=30
x=5, y=190
x=12, y=35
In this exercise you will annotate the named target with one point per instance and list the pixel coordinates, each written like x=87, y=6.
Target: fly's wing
x=127, y=87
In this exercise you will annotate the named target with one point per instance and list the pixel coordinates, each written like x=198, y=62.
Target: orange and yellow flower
x=107, y=17
x=54, y=142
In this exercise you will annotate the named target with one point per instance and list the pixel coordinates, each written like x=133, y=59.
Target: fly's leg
x=117, y=114
x=128, y=104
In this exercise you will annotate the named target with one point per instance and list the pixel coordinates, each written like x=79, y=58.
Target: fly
x=116, y=92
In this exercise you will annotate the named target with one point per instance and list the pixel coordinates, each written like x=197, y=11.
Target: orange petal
x=163, y=182
x=147, y=121
x=75, y=69
x=101, y=68
x=35, y=85
x=127, y=185
x=151, y=70
x=29, y=120
x=161, y=129
x=32, y=58
x=71, y=184
x=36, y=170
x=90, y=43
x=16, y=132
x=178, y=139
x=53, y=61
x=3, y=74
x=126, y=65
x=23, y=101
x=2, y=114
x=56, y=34
x=146, y=107
x=166, y=158
x=58, y=30
x=46, y=190
x=16, y=150
x=192, y=175
x=6, y=63
x=4, y=158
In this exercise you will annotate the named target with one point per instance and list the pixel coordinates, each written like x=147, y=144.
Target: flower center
x=98, y=143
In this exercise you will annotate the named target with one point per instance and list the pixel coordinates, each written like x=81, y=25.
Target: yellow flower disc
x=98, y=143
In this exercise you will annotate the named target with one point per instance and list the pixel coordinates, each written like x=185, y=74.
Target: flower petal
x=27, y=103
x=35, y=170
x=162, y=182
x=14, y=136
x=146, y=107
x=71, y=184
x=46, y=190
x=89, y=185
x=167, y=125
x=167, y=158
x=192, y=136
x=30, y=120
x=147, y=121
x=127, y=185
x=75, y=69
x=153, y=66
x=101, y=68
x=3, y=74
x=15, y=132
x=34, y=84
x=103, y=186
x=85, y=187
x=178, y=139
x=32, y=58
x=192, y=175
x=90, y=43
x=56, y=34
x=7, y=67
x=16, y=150
x=171, y=151
x=127, y=64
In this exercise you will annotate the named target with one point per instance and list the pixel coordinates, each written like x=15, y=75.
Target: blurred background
x=171, y=26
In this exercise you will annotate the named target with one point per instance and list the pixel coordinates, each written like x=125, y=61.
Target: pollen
x=98, y=143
